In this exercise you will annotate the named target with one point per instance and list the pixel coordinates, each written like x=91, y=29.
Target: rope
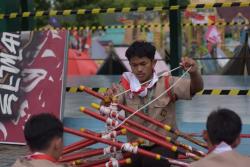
x=109, y=150
x=129, y=148
x=110, y=122
x=111, y=111
x=114, y=114
x=178, y=163
x=152, y=100
x=110, y=135
x=114, y=162
x=104, y=110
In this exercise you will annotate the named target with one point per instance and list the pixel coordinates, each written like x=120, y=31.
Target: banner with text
x=32, y=66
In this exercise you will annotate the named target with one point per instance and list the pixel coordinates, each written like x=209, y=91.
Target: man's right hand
x=112, y=91
x=109, y=94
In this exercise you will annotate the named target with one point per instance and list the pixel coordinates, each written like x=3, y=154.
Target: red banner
x=32, y=66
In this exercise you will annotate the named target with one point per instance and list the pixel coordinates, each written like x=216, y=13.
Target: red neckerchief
x=125, y=84
x=42, y=157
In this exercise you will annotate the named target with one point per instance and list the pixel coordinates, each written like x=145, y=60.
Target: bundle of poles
x=118, y=153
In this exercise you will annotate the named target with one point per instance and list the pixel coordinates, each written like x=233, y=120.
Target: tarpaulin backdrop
x=32, y=66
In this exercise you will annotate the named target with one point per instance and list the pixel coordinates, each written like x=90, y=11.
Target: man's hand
x=196, y=84
x=112, y=91
x=109, y=95
x=188, y=62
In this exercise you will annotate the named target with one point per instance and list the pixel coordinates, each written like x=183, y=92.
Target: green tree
x=76, y=20
x=43, y=5
x=99, y=19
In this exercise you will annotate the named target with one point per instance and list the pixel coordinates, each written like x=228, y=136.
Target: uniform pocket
x=133, y=104
x=159, y=109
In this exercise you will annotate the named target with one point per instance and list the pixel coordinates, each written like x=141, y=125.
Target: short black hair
x=40, y=129
x=223, y=125
x=140, y=49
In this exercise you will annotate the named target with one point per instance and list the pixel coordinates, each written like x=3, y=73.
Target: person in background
x=223, y=135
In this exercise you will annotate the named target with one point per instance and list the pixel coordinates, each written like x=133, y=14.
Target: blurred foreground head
x=223, y=125
x=44, y=133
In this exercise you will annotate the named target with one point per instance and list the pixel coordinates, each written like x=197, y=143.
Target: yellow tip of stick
x=167, y=127
x=158, y=157
x=77, y=162
x=95, y=106
x=128, y=161
x=82, y=129
x=174, y=148
x=82, y=87
x=114, y=99
x=140, y=141
x=124, y=131
x=197, y=158
x=168, y=138
x=82, y=109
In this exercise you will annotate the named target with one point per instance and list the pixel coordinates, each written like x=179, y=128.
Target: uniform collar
x=130, y=81
x=220, y=148
x=41, y=156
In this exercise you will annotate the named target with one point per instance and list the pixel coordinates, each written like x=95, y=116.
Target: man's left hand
x=187, y=62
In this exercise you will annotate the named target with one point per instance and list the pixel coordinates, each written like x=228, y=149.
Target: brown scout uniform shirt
x=225, y=159
x=23, y=162
x=162, y=110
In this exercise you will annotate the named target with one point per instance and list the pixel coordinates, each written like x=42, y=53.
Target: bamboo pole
x=148, y=137
x=81, y=155
x=143, y=116
x=121, y=162
x=78, y=145
x=154, y=133
x=84, y=143
x=120, y=146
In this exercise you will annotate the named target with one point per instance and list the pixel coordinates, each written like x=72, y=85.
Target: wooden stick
x=143, y=116
x=120, y=146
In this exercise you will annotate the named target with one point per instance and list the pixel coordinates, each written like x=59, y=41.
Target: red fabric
x=167, y=85
x=79, y=63
x=126, y=85
x=122, y=19
x=194, y=15
x=212, y=18
x=43, y=157
x=89, y=40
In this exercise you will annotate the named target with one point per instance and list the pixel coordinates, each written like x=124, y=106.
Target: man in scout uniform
x=43, y=134
x=222, y=135
x=141, y=59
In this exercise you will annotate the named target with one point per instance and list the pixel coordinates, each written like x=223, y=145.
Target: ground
x=9, y=153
